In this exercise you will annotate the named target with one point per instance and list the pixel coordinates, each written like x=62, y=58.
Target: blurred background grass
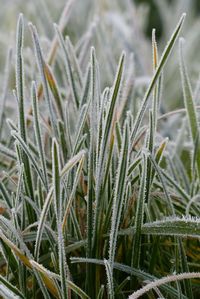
x=125, y=24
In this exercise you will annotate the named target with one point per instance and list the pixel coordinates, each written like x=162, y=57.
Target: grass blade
x=120, y=187
x=139, y=216
x=20, y=97
x=157, y=74
x=38, y=134
x=29, y=154
x=164, y=280
x=58, y=209
x=41, y=67
x=109, y=273
x=190, y=106
x=10, y=287
x=171, y=226
x=68, y=65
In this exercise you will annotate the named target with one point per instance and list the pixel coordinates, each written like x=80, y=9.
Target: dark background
x=154, y=17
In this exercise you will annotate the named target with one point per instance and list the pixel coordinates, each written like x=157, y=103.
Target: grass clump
x=96, y=201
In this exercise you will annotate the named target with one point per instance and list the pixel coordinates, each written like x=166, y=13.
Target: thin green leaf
x=139, y=216
x=171, y=226
x=29, y=155
x=41, y=67
x=164, y=280
x=157, y=74
x=38, y=134
x=58, y=209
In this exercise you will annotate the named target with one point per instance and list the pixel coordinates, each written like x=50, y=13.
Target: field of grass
x=99, y=152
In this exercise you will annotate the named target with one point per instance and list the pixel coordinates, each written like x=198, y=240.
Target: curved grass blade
x=24, y=259
x=164, y=280
x=29, y=155
x=73, y=161
x=50, y=277
x=101, y=292
x=171, y=226
x=46, y=277
x=142, y=275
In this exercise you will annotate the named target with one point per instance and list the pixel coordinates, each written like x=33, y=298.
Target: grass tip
x=13, y=132
x=30, y=24
x=21, y=17
x=181, y=40
x=56, y=26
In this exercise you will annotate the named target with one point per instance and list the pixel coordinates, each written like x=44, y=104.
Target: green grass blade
x=105, y=141
x=139, y=216
x=7, y=152
x=157, y=74
x=20, y=76
x=41, y=224
x=68, y=65
x=41, y=67
x=77, y=290
x=6, y=196
x=142, y=275
x=20, y=97
x=54, y=89
x=72, y=194
x=11, y=288
x=109, y=272
x=29, y=155
x=171, y=226
x=74, y=61
x=38, y=134
x=163, y=280
x=57, y=194
x=185, y=268
x=120, y=187
x=91, y=170
x=5, y=88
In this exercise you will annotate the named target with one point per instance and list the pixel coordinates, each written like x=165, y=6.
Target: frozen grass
x=95, y=201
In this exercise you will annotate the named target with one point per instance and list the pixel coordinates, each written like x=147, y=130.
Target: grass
x=95, y=201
